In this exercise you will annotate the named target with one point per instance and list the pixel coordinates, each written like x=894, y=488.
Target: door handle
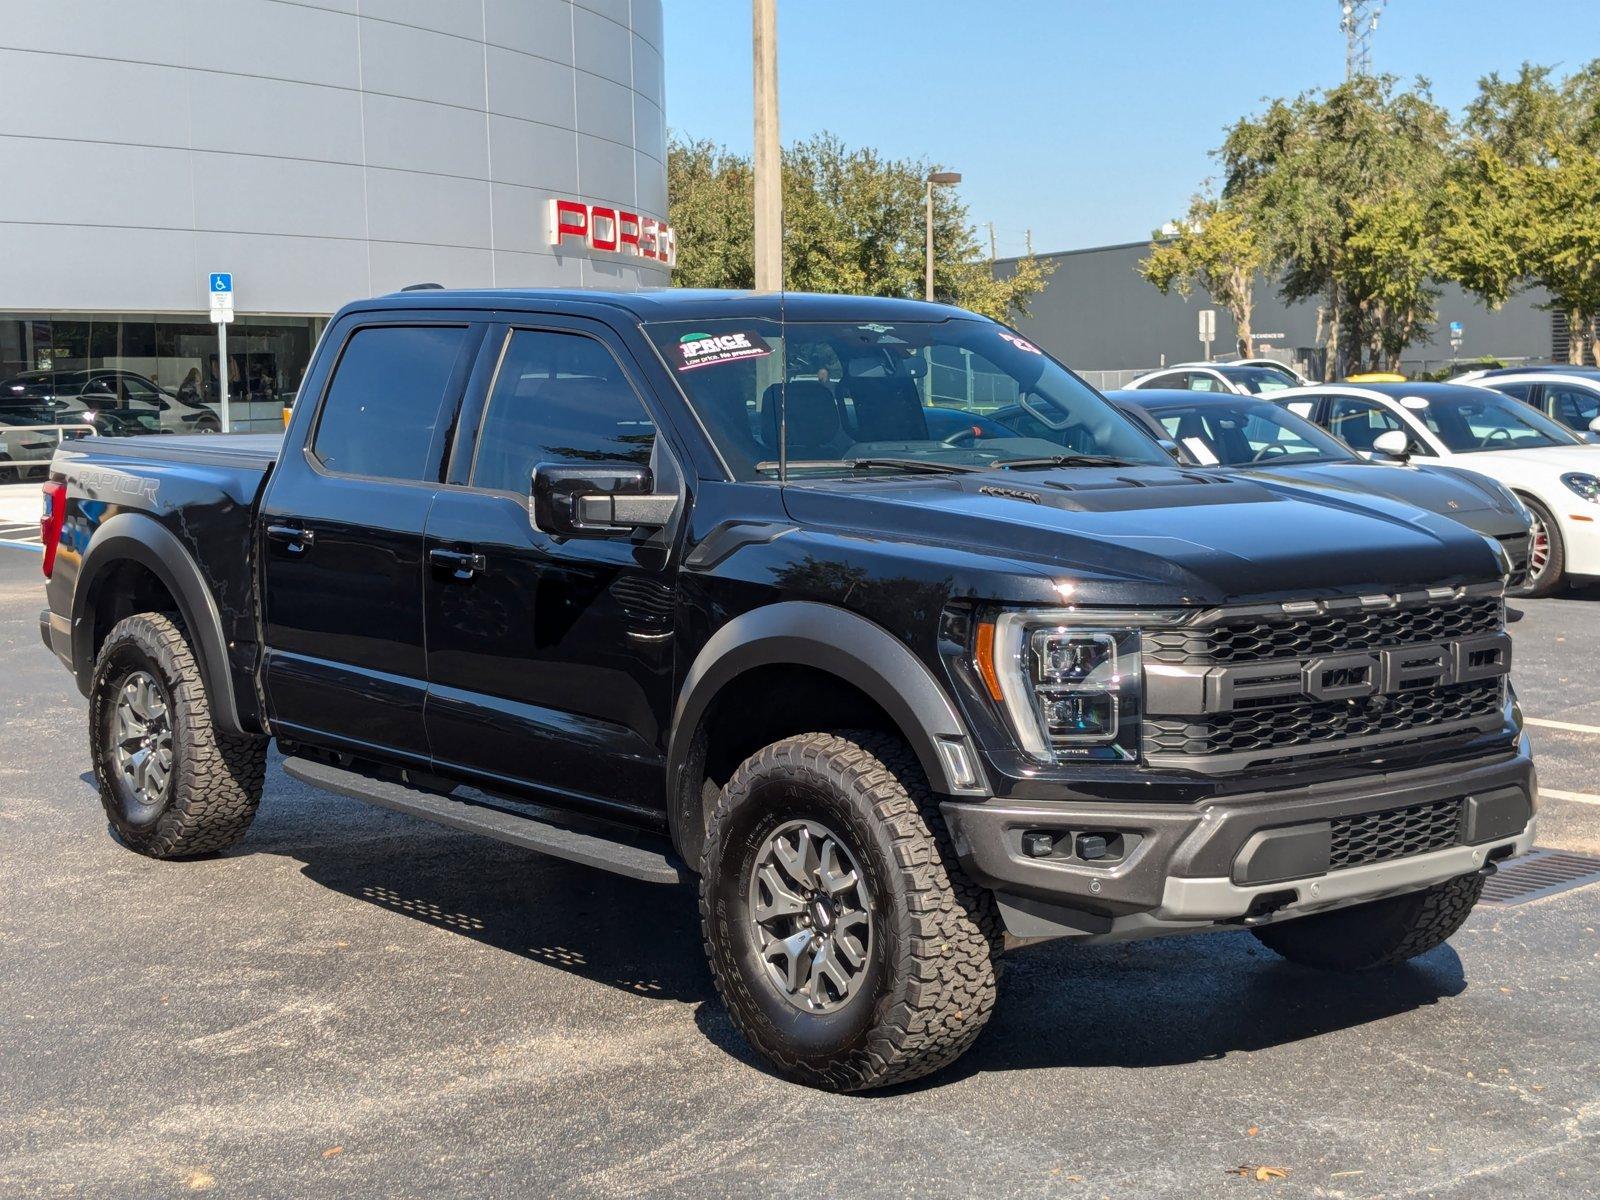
x=297, y=539
x=461, y=563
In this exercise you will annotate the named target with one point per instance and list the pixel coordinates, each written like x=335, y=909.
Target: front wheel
x=1380, y=933
x=172, y=784
x=1547, y=553
x=850, y=948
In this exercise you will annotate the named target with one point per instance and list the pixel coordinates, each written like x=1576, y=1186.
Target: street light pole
x=941, y=178
x=768, y=158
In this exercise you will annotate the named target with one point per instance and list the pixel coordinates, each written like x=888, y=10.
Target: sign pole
x=222, y=372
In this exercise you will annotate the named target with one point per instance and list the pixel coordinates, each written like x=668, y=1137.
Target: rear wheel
x=851, y=950
x=1380, y=933
x=172, y=784
x=1547, y=554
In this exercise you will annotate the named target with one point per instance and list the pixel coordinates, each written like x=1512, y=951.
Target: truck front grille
x=1311, y=723
x=1255, y=640
x=1395, y=833
x=1235, y=689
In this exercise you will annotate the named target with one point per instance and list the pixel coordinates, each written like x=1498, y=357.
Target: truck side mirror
x=1594, y=425
x=1393, y=444
x=607, y=500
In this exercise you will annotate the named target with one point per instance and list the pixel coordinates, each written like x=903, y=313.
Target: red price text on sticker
x=1021, y=343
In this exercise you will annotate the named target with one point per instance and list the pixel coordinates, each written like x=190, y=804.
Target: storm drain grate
x=1539, y=874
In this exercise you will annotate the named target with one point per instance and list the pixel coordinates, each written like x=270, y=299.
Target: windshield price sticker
x=707, y=349
x=1021, y=343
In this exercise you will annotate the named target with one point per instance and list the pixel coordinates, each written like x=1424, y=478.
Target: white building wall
x=321, y=150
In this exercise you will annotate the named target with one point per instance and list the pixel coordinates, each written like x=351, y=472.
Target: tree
x=1215, y=246
x=1332, y=177
x=1522, y=203
x=853, y=223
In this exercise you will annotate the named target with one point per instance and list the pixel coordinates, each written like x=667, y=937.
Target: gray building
x=1099, y=316
x=319, y=150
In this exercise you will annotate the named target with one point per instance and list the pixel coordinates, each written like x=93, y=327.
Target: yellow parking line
x=1541, y=723
x=1579, y=797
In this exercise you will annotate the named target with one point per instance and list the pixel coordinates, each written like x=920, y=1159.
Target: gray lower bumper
x=1174, y=867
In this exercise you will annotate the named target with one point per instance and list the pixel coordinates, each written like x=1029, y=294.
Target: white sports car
x=1475, y=429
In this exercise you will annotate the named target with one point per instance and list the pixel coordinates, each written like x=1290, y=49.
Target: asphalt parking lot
x=356, y=1003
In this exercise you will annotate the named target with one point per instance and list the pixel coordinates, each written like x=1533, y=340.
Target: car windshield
x=1247, y=433
x=1259, y=380
x=1474, y=420
x=819, y=399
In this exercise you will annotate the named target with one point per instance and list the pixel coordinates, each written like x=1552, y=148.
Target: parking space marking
x=34, y=546
x=1568, y=726
x=1576, y=797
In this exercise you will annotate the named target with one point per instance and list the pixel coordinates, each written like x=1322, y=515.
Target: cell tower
x=1359, y=20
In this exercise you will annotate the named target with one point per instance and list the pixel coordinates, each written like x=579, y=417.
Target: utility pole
x=992, y=254
x=942, y=178
x=1359, y=21
x=768, y=156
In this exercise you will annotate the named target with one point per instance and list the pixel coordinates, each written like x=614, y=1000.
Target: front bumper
x=1240, y=859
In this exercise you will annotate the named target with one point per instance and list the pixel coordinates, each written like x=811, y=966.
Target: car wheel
x=1547, y=555
x=850, y=948
x=1380, y=933
x=172, y=784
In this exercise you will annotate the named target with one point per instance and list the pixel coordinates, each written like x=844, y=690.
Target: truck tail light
x=51, y=521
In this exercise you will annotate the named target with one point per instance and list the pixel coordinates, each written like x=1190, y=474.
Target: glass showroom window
x=142, y=373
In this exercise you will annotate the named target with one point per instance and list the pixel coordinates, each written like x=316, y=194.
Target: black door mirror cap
x=599, y=501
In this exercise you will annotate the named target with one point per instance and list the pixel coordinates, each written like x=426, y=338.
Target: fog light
x=1038, y=845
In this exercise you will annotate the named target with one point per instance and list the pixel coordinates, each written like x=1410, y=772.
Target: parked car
x=27, y=442
x=1239, y=378
x=1455, y=425
x=1272, y=364
x=1266, y=439
x=80, y=394
x=1570, y=395
x=891, y=699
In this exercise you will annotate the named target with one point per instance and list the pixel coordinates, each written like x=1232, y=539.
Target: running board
x=492, y=821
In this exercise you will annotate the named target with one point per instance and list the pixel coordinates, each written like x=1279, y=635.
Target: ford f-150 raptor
x=690, y=584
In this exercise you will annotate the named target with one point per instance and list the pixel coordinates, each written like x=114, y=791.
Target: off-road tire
x=930, y=982
x=216, y=778
x=1380, y=933
x=1553, y=578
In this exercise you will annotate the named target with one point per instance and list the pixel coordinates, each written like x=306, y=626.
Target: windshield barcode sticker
x=707, y=349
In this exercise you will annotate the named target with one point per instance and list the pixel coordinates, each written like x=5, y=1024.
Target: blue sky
x=1088, y=122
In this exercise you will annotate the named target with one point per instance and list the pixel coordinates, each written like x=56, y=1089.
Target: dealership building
x=1099, y=315
x=318, y=151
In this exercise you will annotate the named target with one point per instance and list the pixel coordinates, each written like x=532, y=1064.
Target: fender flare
x=840, y=643
x=136, y=537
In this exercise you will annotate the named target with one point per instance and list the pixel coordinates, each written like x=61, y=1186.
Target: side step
x=504, y=824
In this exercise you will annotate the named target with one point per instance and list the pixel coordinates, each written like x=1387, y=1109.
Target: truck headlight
x=1584, y=484
x=1069, y=687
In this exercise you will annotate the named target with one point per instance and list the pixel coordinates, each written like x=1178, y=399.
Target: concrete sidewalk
x=19, y=511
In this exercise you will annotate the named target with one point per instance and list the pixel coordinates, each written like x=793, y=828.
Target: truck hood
x=1200, y=537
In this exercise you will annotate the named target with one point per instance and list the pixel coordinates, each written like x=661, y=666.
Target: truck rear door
x=341, y=530
x=549, y=658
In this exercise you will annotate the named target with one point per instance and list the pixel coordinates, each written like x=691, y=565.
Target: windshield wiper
x=867, y=464
x=1069, y=460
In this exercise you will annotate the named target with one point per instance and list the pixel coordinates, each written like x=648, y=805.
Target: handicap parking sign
x=221, y=281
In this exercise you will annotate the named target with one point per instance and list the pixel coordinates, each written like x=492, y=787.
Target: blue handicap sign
x=222, y=281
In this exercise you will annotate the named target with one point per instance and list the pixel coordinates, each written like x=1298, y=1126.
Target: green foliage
x=853, y=223
x=1217, y=247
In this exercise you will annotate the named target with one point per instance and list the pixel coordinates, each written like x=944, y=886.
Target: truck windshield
x=828, y=399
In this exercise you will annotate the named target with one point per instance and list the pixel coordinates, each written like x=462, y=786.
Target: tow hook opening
x=1267, y=903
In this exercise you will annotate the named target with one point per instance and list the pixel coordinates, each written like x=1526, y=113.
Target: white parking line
x=1577, y=797
x=34, y=546
x=1541, y=723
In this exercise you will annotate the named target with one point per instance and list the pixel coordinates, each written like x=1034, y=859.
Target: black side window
x=386, y=401
x=559, y=398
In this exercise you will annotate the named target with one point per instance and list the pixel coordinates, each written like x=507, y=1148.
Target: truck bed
x=247, y=451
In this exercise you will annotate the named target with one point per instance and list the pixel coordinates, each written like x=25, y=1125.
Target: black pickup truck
x=750, y=588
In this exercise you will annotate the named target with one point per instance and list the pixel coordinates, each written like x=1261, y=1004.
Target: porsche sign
x=608, y=230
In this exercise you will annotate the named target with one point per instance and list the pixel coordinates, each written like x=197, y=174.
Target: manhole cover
x=1539, y=874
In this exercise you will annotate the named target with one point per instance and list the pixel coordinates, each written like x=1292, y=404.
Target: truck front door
x=549, y=658
x=341, y=536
